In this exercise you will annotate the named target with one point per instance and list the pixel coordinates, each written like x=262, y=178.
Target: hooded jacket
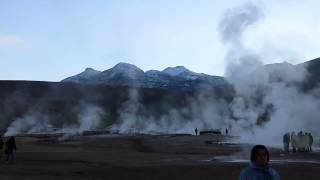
x=253, y=172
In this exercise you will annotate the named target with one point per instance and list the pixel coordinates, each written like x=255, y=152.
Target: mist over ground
x=260, y=101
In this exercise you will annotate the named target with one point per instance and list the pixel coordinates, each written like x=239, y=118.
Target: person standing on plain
x=1, y=147
x=10, y=148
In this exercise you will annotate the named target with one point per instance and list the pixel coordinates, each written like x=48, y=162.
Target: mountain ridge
x=171, y=78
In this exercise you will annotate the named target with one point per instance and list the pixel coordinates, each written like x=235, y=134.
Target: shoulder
x=274, y=174
x=245, y=173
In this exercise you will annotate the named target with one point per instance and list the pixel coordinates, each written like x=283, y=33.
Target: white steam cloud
x=89, y=118
x=268, y=100
x=30, y=123
x=206, y=114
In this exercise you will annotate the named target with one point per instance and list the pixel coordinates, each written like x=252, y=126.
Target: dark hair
x=255, y=150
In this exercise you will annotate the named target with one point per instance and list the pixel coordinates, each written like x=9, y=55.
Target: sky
x=49, y=40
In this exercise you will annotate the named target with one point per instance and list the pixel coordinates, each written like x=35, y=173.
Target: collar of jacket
x=266, y=168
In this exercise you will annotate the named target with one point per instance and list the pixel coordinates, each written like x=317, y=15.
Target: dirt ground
x=146, y=157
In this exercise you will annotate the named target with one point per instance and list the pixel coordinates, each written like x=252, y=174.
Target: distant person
x=310, y=141
x=227, y=132
x=286, y=142
x=1, y=147
x=307, y=141
x=259, y=168
x=10, y=148
x=196, y=131
x=293, y=141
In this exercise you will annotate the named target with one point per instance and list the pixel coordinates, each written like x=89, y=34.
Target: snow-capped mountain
x=171, y=78
x=181, y=71
x=84, y=76
x=120, y=74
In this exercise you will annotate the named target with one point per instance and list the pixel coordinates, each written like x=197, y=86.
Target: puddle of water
x=295, y=161
x=227, y=143
x=229, y=159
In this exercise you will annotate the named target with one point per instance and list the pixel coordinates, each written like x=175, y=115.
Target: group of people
x=259, y=159
x=8, y=147
x=301, y=142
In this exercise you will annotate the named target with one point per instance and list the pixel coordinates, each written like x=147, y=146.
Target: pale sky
x=49, y=40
